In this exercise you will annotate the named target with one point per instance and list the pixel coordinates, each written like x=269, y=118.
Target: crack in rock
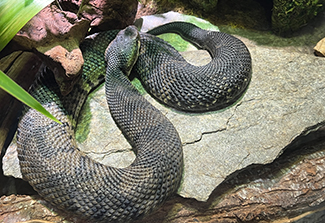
x=202, y=134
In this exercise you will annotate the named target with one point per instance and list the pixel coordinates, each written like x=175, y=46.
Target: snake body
x=194, y=88
x=50, y=160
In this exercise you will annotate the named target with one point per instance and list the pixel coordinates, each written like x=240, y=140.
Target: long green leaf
x=14, y=14
x=18, y=92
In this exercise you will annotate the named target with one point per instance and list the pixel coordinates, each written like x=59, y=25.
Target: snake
x=68, y=179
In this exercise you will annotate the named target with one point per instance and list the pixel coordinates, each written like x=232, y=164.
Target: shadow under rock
x=11, y=185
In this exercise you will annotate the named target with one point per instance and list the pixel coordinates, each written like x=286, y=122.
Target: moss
x=82, y=130
x=137, y=84
x=83, y=126
x=289, y=16
x=84, y=119
x=177, y=42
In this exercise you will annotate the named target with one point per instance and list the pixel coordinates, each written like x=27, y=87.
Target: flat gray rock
x=285, y=96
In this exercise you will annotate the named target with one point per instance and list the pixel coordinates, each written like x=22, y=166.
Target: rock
x=58, y=33
x=320, y=48
x=284, y=191
x=276, y=108
x=10, y=162
x=146, y=23
x=289, y=189
x=72, y=62
x=51, y=27
x=112, y=14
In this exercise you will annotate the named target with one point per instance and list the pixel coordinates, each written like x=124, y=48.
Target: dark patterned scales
x=50, y=160
x=173, y=81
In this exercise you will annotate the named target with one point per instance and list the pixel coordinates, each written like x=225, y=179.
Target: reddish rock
x=71, y=62
x=109, y=14
x=51, y=27
x=57, y=33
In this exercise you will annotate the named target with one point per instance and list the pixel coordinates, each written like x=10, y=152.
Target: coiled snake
x=49, y=158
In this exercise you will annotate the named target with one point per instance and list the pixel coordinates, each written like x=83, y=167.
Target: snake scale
x=49, y=158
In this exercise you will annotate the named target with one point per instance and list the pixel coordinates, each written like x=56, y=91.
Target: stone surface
x=320, y=48
x=290, y=189
x=279, y=104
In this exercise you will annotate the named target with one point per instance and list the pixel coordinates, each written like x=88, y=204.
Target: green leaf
x=18, y=92
x=14, y=14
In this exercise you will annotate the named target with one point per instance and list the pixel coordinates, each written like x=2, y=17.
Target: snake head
x=123, y=51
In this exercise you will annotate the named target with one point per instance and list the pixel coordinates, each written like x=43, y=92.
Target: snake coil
x=49, y=158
